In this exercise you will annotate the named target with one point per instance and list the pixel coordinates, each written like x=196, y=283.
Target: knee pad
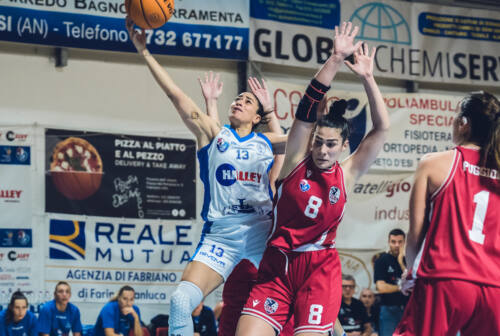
x=183, y=301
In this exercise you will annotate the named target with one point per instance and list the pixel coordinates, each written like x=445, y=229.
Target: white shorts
x=223, y=245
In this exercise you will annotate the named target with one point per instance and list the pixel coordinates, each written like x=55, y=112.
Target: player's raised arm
x=211, y=88
x=305, y=116
x=359, y=162
x=275, y=134
x=198, y=123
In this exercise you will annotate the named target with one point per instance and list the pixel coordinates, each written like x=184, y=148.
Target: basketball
x=149, y=14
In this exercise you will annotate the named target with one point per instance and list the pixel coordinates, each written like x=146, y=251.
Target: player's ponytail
x=483, y=111
x=335, y=118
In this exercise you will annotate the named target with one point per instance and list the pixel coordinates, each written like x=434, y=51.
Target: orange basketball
x=149, y=14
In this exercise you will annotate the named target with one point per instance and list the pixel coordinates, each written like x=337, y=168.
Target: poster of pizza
x=115, y=175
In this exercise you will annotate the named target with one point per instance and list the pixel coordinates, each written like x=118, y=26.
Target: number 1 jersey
x=463, y=238
x=309, y=205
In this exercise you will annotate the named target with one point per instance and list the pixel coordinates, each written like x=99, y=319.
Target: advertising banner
x=200, y=28
x=97, y=174
x=420, y=123
x=376, y=204
x=17, y=258
x=415, y=41
x=99, y=255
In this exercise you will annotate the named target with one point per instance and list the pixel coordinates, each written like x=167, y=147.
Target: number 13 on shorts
x=315, y=311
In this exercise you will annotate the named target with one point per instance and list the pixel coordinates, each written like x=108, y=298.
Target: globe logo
x=381, y=22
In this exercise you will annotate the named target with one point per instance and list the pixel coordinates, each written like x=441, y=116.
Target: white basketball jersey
x=234, y=172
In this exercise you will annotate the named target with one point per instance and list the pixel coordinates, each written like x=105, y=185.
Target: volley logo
x=227, y=175
x=67, y=239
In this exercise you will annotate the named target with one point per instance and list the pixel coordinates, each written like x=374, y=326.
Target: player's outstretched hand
x=211, y=86
x=363, y=61
x=343, y=44
x=261, y=92
x=137, y=38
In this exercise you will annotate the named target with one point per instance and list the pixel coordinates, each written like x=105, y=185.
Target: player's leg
x=268, y=307
x=211, y=264
x=235, y=294
x=318, y=299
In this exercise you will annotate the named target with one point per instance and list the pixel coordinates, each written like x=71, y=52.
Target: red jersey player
x=300, y=271
x=455, y=228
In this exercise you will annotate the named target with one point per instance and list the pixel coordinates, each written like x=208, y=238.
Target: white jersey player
x=237, y=198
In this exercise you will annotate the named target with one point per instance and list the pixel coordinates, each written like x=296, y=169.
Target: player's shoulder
x=432, y=159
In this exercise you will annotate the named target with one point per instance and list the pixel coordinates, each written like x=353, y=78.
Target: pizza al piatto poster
x=116, y=175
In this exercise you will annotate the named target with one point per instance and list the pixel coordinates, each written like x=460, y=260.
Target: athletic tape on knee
x=306, y=111
x=183, y=301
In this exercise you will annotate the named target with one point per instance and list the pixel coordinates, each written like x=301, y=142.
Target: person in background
x=119, y=316
x=389, y=268
x=16, y=320
x=58, y=317
x=352, y=314
x=367, y=297
x=203, y=321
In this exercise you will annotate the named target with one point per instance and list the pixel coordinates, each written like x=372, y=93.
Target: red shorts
x=445, y=306
x=305, y=284
x=235, y=294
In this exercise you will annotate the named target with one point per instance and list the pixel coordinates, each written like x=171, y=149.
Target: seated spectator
x=367, y=297
x=119, y=316
x=352, y=314
x=16, y=320
x=58, y=317
x=203, y=321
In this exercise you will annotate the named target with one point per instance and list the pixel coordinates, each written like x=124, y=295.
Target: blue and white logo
x=222, y=145
x=304, y=185
x=67, y=239
x=271, y=306
x=226, y=174
x=334, y=195
x=23, y=237
x=21, y=154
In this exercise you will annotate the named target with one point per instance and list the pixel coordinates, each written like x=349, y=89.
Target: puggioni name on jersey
x=227, y=175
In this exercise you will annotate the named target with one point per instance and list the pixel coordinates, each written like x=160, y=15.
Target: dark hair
x=61, y=283
x=335, y=119
x=348, y=277
x=397, y=232
x=264, y=119
x=482, y=110
x=9, y=315
x=120, y=292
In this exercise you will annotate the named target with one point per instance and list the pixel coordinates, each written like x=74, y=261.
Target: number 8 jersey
x=462, y=241
x=309, y=206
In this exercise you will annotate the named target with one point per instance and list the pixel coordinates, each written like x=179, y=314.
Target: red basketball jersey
x=463, y=239
x=308, y=207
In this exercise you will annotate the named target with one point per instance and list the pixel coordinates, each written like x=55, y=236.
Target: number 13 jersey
x=308, y=207
x=463, y=238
